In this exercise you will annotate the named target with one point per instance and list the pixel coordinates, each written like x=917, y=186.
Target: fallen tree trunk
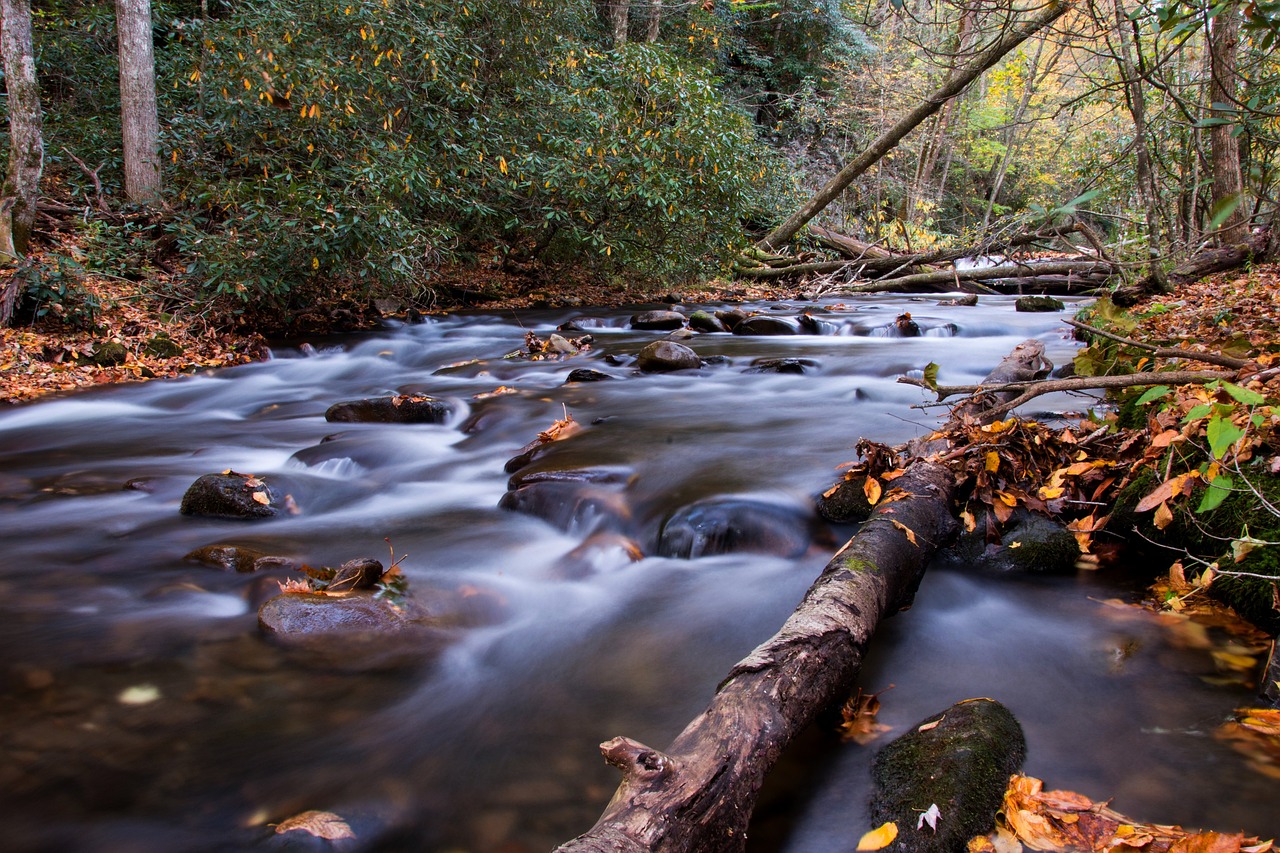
x=698, y=795
x=956, y=83
x=945, y=279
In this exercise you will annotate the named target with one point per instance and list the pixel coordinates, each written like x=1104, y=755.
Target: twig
x=101, y=201
x=1166, y=352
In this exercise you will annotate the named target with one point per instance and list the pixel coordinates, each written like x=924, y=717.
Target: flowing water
x=144, y=711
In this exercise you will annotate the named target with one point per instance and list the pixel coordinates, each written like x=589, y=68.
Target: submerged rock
x=959, y=760
x=665, y=356
x=234, y=558
x=727, y=525
x=659, y=320
x=570, y=505
x=598, y=552
x=1039, y=303
x=966, y=301
x=400, y=409
x=232, y=495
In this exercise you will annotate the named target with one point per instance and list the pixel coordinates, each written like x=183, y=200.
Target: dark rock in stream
x=1039, y=303
x=400, y=409
x=762, y=326
x=968, y=300
x=1027, y=542
x=569, y=505
x=665, y=356
x=726, y=525
x=598, y=552
x=813, y=326
x=618, y=476
x=959, y=760
x=581, y=324
x=845, y=502
x=586, y=374
x=351, y=632
x=797, y=366
x=234, y=558
x=232, y=495
x=731, y=318
x=658, y=320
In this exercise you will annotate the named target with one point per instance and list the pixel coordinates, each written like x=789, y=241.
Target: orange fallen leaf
x=879, y=838
x=871, y=488
x=326, y=825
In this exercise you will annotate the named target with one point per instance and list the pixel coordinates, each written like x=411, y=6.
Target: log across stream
x=143, y=710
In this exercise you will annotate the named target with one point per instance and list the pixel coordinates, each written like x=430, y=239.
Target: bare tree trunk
x=697, y=796
x=653, y=23
x=1136, y=100
x=1228, y=186
x=887, y=141
x=26, y=142
x=139, y=118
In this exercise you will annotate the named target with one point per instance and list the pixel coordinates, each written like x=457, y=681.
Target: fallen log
x=698, y=794
x=945, y=279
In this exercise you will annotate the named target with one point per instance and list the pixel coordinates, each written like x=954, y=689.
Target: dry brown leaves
x=48, y=357
x=1034, y=818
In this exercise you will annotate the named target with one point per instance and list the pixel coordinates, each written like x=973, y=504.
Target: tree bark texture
x=26, y=142
x=1228, y=186
x=887, y=141
x=139, y=118
x=698, y=795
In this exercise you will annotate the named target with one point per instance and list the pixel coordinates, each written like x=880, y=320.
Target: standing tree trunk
x=653, y=23
x=1228, y=187
x=139, y=118
x=26, y=144
x=887, y=141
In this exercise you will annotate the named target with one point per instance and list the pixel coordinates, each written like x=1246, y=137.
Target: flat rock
x=761, y=325
x=1039, y=303
x=726, y=525
x=400, y=409
x=659, y=320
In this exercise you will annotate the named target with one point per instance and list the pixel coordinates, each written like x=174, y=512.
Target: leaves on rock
x=326, y=825
x=879, y=838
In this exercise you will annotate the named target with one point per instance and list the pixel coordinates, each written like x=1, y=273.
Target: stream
x=143, y=710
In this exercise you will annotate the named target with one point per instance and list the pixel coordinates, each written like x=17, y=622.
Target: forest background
x=247, y=162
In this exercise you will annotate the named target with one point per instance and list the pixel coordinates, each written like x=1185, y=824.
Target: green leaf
x=1244, y=395
x=931, y=376
x=1222, y=433
x=1197, y=413
x=1153, y=393
x=1217, y=492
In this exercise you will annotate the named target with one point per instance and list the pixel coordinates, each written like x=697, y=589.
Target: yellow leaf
x=1006, y=498
x=871, y=488
x=1048, y=493
x=993, y=461
x=261, y=497
x=325, y=825
x=502, y=165
x=911, y=536
x=879, y=838
x=969, y=521
x=1163, y=517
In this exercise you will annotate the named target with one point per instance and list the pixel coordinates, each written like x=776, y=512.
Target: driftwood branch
x=943, y=279
x=1165, y=352
x=698, y=794
x=92, y=174
x=1026, y=391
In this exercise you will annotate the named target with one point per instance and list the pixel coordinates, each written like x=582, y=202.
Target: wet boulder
x=958, y=760
x=764, y=325
x=665, y=356
x=356, y=632
x=1039, y=303
x=232, y=495
x=586, y=374
x=967, y=301
x=903, y=327
x=731, y=318
x=796, y=366
x=570, y=506
x=701, y=321
x=611, y=475
x=582, y=324
x=727, y=525
x=400, y=409
x=658, y=320
x=811, y=325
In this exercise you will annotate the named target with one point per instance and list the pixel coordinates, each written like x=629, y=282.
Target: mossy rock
x=400, y=409
x=108, y=354
x=1029, y=542
x=1253, y=598
x=846, y=503
x=162, y=346
x=1039, y=303
x=959, y=760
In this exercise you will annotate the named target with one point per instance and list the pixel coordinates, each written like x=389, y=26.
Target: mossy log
x=699, y=793
x=943, y=781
